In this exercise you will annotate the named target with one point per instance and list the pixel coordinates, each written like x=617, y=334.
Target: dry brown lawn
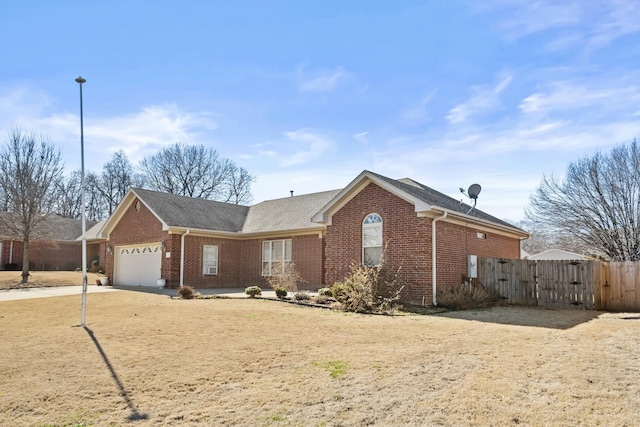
x=12, y=279
x=148, y=360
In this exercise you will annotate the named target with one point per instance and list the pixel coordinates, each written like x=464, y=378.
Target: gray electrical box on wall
x=472, y=262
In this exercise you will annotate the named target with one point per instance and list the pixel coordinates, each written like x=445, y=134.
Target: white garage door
x=138, y=265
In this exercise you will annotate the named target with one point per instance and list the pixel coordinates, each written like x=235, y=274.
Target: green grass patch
x=336, y=368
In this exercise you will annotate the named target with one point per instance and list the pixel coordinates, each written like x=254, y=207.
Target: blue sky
x=307, y=94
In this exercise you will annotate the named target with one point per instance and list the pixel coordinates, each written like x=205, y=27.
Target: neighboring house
x=52, y=245
x=559, y=254
x=204, y=243
x=96, y=247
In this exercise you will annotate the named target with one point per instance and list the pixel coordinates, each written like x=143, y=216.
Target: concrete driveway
x=27, y=293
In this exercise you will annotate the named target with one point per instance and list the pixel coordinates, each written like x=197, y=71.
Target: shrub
x=322, y=299
x=288, y=281
x=325, y=292
x=466, y=297
x=280, y=291
x=12, y=266
x=253, y=291
x=186, y=292
x=301, y=296
x=369, y=289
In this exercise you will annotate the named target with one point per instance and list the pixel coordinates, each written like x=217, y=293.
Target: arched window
x=372, y=240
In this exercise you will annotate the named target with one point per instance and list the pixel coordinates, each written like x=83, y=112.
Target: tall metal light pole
x=80, y=81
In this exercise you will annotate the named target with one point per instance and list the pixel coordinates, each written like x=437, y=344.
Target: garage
x=138, y=265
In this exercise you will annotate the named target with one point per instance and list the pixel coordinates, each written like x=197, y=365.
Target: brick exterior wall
x=306, y=255
x=135, y=227
x=44, y=255
x=408, y=243
x=239, y=261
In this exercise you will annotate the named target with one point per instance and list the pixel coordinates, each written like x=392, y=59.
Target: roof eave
x=248, y=235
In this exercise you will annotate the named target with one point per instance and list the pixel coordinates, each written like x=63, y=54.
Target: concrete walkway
x=225, y=292
x=56, y=291
x=27, y=293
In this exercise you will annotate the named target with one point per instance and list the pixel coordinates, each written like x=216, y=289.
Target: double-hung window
x=372, y=240
x=209, y=260
x=276, y=257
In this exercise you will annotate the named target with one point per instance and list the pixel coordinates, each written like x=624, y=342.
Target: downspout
x=11, y=252
x=433, y=255
x=182, y=257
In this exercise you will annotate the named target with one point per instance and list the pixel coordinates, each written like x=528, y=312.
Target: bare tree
x=239, y=186
x=69, y=200
x=542, y=238
x=598, y=202
x=31, y=172
x=96, y=210
x=195, y=171
x=116, y=179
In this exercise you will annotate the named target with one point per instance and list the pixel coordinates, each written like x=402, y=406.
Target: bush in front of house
x=301, y=296
x=186, y=292
x=289, y=281
x=323, y=299
x=467, y=297
x=253, y=291
x=325, y=292
x=280, y=291
x=369, y=289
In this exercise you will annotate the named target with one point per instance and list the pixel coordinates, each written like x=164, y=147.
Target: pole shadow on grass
x=135, y=415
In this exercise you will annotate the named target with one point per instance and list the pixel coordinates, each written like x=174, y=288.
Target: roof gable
x=426, y=201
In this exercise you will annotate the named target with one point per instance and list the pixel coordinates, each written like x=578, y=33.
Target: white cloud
x=591, y=25
x=138, y=134
x=418, y=114
x=527, y=17
x=21, y=105
x=485, y=98
x=300, y=147
x=564, y=96
x=361, y=137
x=319, y=81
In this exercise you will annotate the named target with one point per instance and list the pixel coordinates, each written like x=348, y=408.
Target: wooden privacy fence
x=613, y=286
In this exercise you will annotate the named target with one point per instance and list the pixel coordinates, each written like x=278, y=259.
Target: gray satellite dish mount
x=472, y=193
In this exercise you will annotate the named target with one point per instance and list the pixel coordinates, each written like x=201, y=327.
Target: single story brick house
x=54, y=245
x=208, y=244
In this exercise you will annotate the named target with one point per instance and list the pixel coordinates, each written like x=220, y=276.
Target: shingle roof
x=287, y=213
x=182, y=211
x=55, y=227
x=436, y=198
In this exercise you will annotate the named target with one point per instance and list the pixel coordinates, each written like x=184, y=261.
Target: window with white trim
x=209, y=260
x=276, y=257
x=372, y=240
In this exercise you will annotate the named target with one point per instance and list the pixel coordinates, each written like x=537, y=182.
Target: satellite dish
x=473, y=191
